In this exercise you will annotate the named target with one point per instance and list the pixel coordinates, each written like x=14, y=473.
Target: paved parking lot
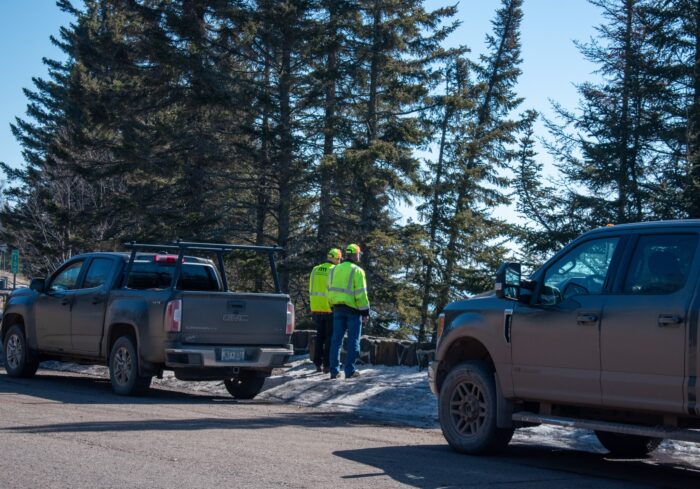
x=63, y=430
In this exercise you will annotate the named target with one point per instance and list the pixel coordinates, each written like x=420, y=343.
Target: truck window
x=67, y=279
x=147, y=274
x=660, y=264
x=98, y=273
x=581, y=271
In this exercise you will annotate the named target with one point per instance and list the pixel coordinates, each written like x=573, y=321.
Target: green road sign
x=15, y=261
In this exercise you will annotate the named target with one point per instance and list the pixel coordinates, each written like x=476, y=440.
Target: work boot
x=318, y=368
x=325, y=370
x=354, y=375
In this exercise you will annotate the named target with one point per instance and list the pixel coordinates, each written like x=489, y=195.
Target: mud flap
x=504, y=407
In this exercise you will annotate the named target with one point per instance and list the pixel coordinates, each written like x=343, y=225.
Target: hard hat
x=335, y=253
x=353, y=248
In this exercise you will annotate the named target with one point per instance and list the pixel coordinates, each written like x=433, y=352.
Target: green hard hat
x=353, y=248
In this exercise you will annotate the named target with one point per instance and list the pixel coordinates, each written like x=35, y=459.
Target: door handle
x=587, y=318
x=98, y=299
x=65, y=301
x=669, y=320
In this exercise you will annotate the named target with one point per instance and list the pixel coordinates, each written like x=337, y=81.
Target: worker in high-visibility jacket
x=347, y=295
x=321, y=310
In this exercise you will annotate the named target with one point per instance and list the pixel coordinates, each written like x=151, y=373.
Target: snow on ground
x=398, y=395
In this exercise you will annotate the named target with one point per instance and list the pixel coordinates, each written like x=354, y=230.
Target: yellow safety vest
x=317, y=288
x=347, y=285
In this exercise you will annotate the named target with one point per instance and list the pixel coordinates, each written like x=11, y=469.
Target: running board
x=625, y=429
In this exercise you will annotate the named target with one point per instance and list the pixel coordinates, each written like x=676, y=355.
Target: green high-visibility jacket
x=347, y=285
x=317, y=287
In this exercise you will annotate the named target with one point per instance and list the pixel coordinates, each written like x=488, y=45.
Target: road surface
x=62, y=430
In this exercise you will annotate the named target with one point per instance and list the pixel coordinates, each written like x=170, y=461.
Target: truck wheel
x=19, y=361
x=627, y=446
x=246, y=385
x=124, y=369
x=467, y=410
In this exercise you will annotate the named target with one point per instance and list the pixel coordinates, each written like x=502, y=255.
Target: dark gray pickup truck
x=604, y=336
x=149, y=310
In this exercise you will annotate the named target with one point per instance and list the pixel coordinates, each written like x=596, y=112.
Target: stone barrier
x=374, y=350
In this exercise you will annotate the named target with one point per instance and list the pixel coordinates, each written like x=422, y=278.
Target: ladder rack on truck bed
x=181, y=247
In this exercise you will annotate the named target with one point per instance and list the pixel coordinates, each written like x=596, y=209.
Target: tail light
x=440, y=325
x=173, y=316
x=290, y=319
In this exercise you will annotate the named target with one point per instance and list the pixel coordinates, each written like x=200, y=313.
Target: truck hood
x=21, y=292
x=481, y=302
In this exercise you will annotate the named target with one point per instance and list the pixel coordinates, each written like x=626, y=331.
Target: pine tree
x=548, y=210
x=394, y=48
x=674, y=31
x=57, y=211
x=606, y=148
x=471, y=250
x=450, y=107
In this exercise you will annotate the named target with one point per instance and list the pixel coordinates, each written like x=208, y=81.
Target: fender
x=21, y=303
x=483, y=320
x=128, y=312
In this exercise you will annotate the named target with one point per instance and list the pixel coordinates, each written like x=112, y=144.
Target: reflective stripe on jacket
x=317, y=287
x=347, y=285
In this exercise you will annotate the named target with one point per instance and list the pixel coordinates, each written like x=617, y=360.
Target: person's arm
x=311, y=281
x=359, y=288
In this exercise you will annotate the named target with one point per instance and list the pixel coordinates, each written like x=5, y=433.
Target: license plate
x=232, y=354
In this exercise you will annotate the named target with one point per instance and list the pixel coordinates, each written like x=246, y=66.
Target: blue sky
x=551, y=62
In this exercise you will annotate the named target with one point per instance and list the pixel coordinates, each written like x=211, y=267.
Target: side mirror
x=38, y=284
x=508, y=281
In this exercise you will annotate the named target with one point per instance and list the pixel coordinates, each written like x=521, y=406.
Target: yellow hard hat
x=335, y=253
x=353, y=248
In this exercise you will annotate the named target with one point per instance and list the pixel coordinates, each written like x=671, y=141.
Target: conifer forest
x=311, y=124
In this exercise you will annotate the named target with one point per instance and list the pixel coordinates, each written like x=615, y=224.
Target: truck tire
x=467, y=410
x=627, y=446
x=124, y=369
x=246, y=385
x=18, y=359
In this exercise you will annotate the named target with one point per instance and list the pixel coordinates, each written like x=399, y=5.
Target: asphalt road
x=61, y=430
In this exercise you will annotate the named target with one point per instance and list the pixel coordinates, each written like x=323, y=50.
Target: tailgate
x=229, y=318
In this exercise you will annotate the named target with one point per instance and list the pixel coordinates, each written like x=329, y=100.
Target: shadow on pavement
x=437, y=466
x=307, y=420
x=79, y=389
x=66, y=390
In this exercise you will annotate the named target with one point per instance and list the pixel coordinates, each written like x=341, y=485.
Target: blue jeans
x=344, y=320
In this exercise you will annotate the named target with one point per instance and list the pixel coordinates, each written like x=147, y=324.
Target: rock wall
x=374, y=350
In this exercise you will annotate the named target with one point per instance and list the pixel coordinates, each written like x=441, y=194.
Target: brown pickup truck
x=604, y=337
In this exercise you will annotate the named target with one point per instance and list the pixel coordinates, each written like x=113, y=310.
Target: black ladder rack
x=181, y=247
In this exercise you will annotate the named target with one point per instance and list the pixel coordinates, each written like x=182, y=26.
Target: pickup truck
x=604, y=336
x=149, y=310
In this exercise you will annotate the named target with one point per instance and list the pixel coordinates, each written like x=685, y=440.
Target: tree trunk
x=262, y=207
x=434, y=221
x=326, y=165
x=623, y=155
x=368, y=211
x=694, y=124
x=285, y=158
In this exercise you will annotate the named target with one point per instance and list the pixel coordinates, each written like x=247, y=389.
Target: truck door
x=644, y=328
x=89, y=304
x=555, y=341
x=53, y=308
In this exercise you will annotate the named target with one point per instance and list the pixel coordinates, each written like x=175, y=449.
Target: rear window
x=154, y=275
